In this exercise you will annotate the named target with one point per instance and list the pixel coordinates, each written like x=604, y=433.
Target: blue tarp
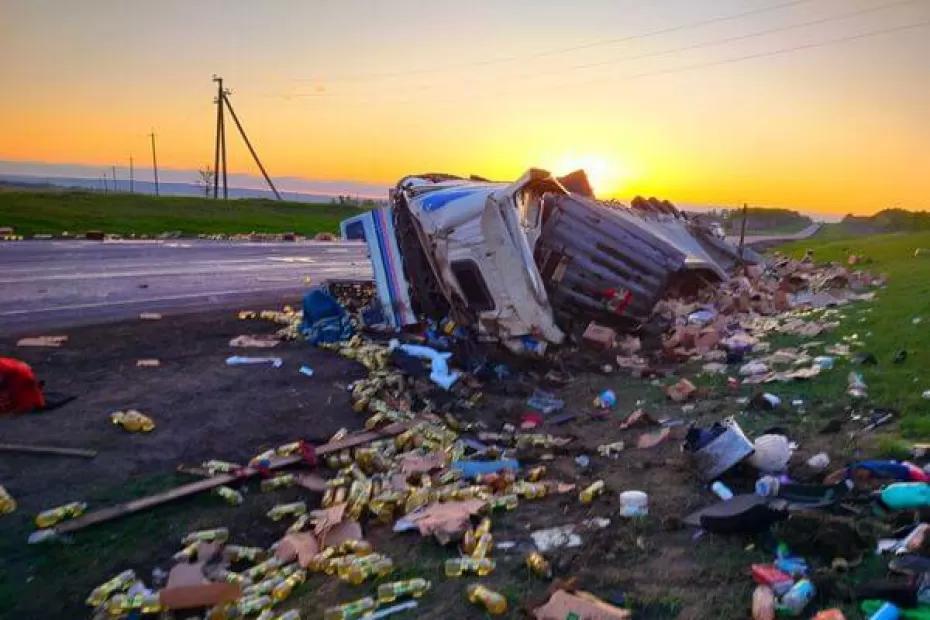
x=325, y=320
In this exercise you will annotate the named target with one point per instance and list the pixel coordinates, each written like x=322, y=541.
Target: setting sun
x=608, y=176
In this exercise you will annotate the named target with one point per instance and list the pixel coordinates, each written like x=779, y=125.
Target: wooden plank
x=47, y=450
x=199, y=486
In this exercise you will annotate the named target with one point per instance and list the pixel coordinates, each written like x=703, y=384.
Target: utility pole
x=154, y=161
x=218, y=100
x=103, y=177
x=131, y=179
x=249, y=144
x=742, y=232
x=115, y=185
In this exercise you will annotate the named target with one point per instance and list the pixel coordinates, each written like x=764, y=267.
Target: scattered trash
x=718, y=448
x=53, y=516
x=599, y=336
x=721, y=490
x=653, y=438
x=607, y=399
x=20, y=390
x=611, y=450
x=148, y=363
x=306, y=371
x=544, y=402
x=578, y=604
x=825, y=362
x=771, y=453
x=133, y=421
x=47, y=450
x=634, y=504
x=7, y=503
x=681, y=391
x=440, y=373
x=565, y=536
x=150, y=316
x=767, y=401
x=583, y=461
x=262, y=341
x=857, y=387
x=239, y=360
x=42, y=341
x=819, y=462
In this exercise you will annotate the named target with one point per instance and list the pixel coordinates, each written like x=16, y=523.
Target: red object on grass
x=20, y=391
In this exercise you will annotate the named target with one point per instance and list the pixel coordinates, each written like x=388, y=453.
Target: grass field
x=53, y=212
x=898, y=319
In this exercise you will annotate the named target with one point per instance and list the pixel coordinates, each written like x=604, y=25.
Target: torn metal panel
x=587, y=250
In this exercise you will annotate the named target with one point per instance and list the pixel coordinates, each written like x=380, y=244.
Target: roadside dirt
x=204, y=409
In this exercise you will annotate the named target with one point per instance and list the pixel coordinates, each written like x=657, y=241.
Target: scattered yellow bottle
x=350, y=611
x=358, y=547
x=390, y=592
x=7, y=503
x=494, y=603
x=536, y=474
x=292, y=614
x=483, y=546
x=281, y=481
x=294, y=509
x=263, y=568
x=48, y=518
x=456, y=567
x=133, y=421
x=238, y=553
x=218, y=534
x=539, y=564
x=187, y=554
x=229, y=495
x=215, y=467
x=122, y=604
x=101, y=593
x=284, y=589
x=506, y=502
x=358, y=573
x=588, y=494
x=254, y=604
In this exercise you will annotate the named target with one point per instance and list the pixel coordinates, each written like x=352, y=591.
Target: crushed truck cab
x=522, y=263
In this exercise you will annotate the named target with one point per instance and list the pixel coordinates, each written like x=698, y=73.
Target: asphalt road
x=754, y=239
x=56, y=284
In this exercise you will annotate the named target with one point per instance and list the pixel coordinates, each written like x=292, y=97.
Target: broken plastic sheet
x=566, y=535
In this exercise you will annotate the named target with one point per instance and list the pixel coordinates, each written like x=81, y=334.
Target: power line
x=705, y=44
x=775, y=52
x=741, y=37
x=574, y=48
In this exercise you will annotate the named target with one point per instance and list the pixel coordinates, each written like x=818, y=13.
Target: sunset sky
x=822, y=105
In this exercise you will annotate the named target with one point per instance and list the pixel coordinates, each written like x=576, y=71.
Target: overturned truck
x=526, y=263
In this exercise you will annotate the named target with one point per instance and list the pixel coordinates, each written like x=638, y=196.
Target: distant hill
x=886, y=221
x=764, y=220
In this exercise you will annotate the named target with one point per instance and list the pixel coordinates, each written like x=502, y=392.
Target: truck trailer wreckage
x=526, y=263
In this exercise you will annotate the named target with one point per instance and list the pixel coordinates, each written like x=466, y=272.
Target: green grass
x=53, y=212
x=884, y=325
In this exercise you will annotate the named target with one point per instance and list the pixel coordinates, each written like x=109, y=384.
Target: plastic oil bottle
x=48, y=518
x=281, y=481
x=505, y=502
x=588, y=494
x=483, y=546
x=284, y=589
x=122, y=604
x=229, y=495
x=254, y=604
x=390, y=592
x=239, y=553
x=350, y=611
x=294, y=509
x=494, y=603
x=101, y=593
x=456, y=567
x=7, y=503
x=539, y=564
x=219, y=534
